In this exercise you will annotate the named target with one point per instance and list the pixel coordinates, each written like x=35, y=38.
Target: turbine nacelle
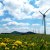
x=44, y=15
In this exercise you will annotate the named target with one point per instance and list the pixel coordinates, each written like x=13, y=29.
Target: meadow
x=24, y=42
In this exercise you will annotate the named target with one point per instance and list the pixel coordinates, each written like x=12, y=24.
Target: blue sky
x=23, y=15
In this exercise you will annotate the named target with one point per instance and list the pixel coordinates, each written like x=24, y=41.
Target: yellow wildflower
x=14, y=47
x=33, y=44
x=18, y=42
x=6, y=40
x=3, y=44
x=15, y=44
x=6, y=48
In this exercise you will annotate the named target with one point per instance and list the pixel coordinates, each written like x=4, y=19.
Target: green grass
x=29, y=38
x=32, y=37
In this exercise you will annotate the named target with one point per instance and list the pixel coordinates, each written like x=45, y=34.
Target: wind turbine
x=44, y=22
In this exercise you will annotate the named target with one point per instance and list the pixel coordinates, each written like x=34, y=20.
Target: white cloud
x=43, y=5
x=16, y=24
x=48, y=23
x=19, y=9
x=48, y=30
x=20, y=29
x=1, y=5
x=1, y=9
x=6, y=20
x=42, y=2
x=47, y=20
x=1, y=12
x=35, y=24
x=5, y=30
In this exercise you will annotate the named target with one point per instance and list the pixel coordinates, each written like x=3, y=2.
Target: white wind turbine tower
x=44, y=22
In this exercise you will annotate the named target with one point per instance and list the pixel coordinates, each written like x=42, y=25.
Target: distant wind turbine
x=44, y=22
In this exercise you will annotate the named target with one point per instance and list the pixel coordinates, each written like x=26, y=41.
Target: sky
x=24, y=15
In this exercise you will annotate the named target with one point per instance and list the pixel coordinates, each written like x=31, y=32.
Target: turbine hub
x=44, y=15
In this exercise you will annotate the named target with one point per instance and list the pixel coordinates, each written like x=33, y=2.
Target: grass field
x=24, y=42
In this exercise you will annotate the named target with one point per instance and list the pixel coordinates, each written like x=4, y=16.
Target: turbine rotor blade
x=40, y=12
x=47, y=11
